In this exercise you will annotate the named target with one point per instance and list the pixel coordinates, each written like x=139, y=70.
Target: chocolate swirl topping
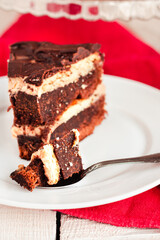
x=38, y=60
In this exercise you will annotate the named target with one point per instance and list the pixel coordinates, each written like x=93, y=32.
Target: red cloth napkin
x=126, y=56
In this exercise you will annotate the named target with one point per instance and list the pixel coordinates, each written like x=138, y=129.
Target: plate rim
x=76, y=205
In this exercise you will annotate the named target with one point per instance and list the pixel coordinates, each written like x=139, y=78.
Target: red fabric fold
x=141, y=211
x=126, y=56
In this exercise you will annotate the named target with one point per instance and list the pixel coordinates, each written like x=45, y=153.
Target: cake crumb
x=57, y=145
x=83, y=86
x=9, y=108
x=20, y=166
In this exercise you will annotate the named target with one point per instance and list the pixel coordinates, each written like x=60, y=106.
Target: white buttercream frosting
x=50, y=163
x=59, y=79
x=78, y=106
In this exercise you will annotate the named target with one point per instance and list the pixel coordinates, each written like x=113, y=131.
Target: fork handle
x=152, y=158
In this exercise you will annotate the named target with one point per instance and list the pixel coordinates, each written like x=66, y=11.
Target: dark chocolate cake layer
x=31, y=176
x=31, y=110
x=28, y=145
x=85, y=122
x=66, y=150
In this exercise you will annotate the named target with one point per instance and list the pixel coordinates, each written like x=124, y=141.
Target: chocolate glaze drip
x=37, y=60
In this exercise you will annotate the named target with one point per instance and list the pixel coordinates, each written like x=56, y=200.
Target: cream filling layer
x=50, y=163
x=73, y=110
x=59, y=79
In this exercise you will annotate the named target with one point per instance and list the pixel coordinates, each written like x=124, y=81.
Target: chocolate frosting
x=38, y=60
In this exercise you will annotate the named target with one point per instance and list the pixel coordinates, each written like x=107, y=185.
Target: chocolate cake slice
x=52, y=163
x=45, y=78
x=53, y=89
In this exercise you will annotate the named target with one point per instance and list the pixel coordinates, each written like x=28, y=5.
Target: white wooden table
x=24, y=224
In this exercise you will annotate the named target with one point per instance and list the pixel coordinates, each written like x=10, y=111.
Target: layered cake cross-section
x=83, y=115
x=53, y=89
x=51, y=164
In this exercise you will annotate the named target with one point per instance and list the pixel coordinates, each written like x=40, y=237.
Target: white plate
x=132, y=128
